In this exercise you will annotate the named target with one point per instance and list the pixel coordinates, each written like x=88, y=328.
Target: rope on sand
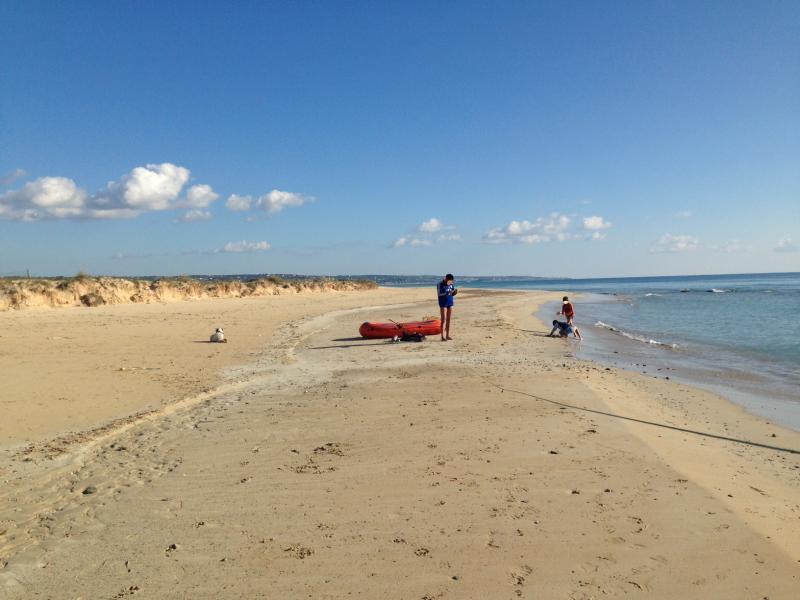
x=642, y=421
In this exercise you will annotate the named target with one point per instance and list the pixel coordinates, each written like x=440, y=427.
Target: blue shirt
x=445, y=292
x=564, y=328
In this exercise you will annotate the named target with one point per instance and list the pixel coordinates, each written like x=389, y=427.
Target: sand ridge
x=85, y=290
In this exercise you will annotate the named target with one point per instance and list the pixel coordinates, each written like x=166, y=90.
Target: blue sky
x=559, y=139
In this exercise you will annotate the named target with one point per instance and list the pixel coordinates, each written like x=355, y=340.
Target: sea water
x=736, y=334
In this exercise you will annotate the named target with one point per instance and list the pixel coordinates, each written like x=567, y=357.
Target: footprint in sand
x=298, y=551
x=333, y=448
x=519, y=575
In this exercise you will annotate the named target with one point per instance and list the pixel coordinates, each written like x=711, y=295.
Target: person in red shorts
x=567, y=310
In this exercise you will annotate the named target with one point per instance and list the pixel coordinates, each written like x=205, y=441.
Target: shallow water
x=762, y=387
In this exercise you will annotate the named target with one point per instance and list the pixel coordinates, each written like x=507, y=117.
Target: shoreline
x=307, y=383
x=744, y=393
x=760, y=396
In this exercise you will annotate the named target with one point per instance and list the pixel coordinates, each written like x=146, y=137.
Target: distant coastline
x=406, y=280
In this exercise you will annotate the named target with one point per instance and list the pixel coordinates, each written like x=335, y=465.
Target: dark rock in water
x=89, y=489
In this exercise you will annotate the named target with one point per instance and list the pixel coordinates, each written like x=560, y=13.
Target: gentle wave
x=651, y=294
x=634, y=337
x=716, y=291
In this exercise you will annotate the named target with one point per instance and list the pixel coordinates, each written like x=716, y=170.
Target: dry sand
x=319, y=466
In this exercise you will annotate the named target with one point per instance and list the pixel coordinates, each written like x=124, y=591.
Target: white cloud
x=684, y=214
x=271, y=202
x=10, y=178
x=554, y=227
x=153, y=187
x=196, y=214
x=432, y=225
x=786, y=244
x=245, y=246
x=238, y=203
x=412, y=241
x=276, y=200
x=46, y=197
x=424, y=234
x=199, y=196
x=543, y=229
x=675, y=243
x=595, y=223
x=112, y=213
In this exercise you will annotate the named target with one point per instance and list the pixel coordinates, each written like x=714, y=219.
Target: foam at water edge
x=633, y=336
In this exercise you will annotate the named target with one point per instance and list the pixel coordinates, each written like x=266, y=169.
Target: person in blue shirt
x=564, y=329
x=446, y=291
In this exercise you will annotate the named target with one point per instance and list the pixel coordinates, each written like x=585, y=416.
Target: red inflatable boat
x=389, y=330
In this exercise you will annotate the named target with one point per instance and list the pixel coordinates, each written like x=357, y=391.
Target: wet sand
x=318, y=465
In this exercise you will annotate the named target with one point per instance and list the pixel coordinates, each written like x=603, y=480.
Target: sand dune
x=98, y=291
x=493, y=466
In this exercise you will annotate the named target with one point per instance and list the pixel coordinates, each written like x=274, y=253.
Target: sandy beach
x=298, y=461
